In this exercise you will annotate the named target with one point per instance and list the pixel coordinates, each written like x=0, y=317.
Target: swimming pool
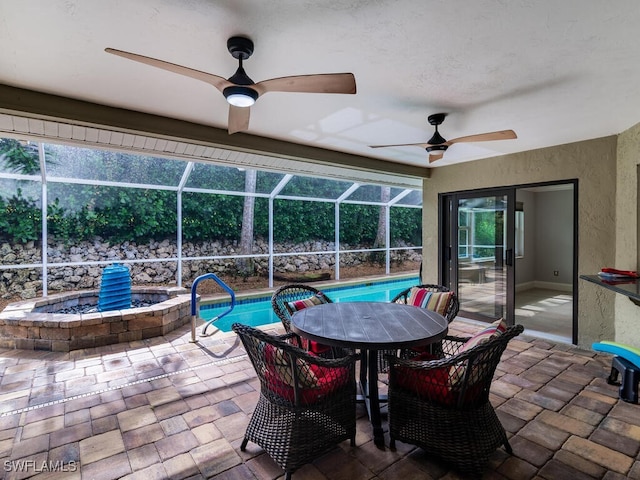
x=258, y=311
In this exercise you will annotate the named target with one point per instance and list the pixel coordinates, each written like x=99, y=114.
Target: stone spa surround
x=32, y=325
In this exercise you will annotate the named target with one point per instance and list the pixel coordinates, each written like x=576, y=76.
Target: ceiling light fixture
x=437, y=148
x=240, y=96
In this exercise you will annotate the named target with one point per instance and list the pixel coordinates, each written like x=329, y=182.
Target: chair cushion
x=435, y=301
x=496, y=328
x=278, y=362
x=314, y=381
x=436, y=385
x=432, y=385
x=317, y=299
x=318, y=348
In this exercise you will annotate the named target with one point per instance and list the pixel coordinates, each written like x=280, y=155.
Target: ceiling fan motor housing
x=436, y=140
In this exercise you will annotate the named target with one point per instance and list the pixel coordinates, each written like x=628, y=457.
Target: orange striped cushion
x=435, y=301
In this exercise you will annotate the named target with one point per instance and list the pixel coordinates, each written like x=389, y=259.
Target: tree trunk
x=381, y=236
x=245, y=265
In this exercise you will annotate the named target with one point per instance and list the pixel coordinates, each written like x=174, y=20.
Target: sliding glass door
x=478, y=245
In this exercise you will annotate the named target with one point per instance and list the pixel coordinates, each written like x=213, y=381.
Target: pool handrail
x=194, y=307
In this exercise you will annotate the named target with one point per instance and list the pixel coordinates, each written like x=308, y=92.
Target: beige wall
x=627, y=319
x=593, y=163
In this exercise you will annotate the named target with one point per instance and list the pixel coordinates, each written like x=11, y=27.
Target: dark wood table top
x=369, y=325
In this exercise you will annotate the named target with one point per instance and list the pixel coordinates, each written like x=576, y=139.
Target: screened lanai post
x=45, y=232
x=181, y=186
x=274, y=193
x=246, y=264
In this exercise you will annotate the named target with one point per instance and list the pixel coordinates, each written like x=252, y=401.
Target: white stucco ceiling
x=554, y=71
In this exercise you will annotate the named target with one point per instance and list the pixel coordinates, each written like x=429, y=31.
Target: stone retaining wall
x=26, y=283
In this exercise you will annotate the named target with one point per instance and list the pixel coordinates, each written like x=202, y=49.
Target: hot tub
x=32, y=325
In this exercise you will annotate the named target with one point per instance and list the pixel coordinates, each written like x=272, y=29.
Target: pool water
x=257, y=312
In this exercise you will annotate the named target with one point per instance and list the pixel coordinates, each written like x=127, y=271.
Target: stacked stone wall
x=27, y=283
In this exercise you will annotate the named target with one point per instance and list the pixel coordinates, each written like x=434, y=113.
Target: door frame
x=445, y=249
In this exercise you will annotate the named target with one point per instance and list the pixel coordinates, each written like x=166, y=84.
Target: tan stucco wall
x=627, y=318
x=593, y=163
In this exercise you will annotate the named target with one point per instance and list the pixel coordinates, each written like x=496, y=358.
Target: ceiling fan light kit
x=239, y=96
x=437, y=148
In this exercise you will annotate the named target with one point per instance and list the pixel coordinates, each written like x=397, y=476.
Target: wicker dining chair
x=288, y=299
x=442, y=405
x=444, y=302
x=307, y=403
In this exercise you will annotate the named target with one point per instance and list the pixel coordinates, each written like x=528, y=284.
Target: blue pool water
x=258, y=311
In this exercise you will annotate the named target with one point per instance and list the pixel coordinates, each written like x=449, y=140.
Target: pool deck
x=169, y=408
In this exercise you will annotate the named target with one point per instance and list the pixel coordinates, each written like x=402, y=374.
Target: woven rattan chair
x=449, y=313
x=442, y=405
x=302, y=296
x=291, y=293
x=307, y=404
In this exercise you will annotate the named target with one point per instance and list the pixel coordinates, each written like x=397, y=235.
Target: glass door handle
x=509, y=257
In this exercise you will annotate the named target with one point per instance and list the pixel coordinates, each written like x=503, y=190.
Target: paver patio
x=169, y=408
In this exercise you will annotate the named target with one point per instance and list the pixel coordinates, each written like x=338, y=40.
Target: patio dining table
x=370, y=327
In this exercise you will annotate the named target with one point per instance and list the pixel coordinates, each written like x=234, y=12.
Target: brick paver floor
x=168, y=408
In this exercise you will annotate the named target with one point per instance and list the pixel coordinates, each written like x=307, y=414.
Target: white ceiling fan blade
x=320, y=83
x=219, y=82
x=238, y=119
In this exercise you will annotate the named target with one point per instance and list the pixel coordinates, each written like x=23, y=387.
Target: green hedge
x=78, y=212
x=132, y=215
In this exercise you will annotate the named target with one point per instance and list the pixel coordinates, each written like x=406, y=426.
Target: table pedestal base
x=370, y=395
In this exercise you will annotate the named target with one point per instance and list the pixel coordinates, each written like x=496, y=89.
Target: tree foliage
x=77, y=212
x=19, y=157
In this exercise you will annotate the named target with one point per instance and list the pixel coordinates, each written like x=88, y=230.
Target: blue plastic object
x=626, y=363
x=115, y=288
x=625, y=351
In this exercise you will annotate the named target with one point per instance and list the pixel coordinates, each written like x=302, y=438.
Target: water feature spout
x=115, y=288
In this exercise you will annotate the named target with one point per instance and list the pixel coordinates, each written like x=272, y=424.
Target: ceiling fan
x=240, y=91
x=436, y=145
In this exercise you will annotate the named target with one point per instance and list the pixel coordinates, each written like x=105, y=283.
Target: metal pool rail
x=194, y=306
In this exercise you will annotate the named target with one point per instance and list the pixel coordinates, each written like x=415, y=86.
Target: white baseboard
x=563, y=287
x=521, y=287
